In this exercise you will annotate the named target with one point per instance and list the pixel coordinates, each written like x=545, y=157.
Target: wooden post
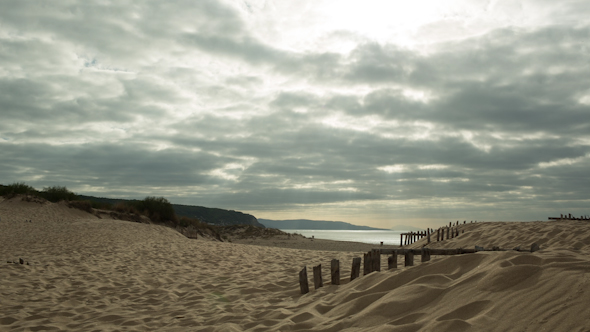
x=452, y=232
x=335, y=268
x=401, y=239
x=356, y=268
x=303, y=285
x=317, y=276
x=425, y=254
x=366, y=264
x=438, y=234
x=376, y=260
x=428, y=236
x=409, y=259
x=448, y=231
x=392, y=261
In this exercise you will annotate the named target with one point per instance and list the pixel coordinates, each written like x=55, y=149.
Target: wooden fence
x=451, y=231
x=372, y=262
x=569, y=217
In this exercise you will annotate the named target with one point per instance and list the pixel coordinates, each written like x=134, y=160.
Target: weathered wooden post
x=438, y=235
x=366, y=264
x=392, y=261
x=335, y=269
x=356, y=268
x=303, y=285
x=409, y=258
x=428, y=235
x=448, y=233
x=401, y=239
x=376, y=261
x=457, y=232
x=317, y=276
x=425, y=254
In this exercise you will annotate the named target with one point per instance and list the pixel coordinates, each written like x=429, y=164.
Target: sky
x=376, y=113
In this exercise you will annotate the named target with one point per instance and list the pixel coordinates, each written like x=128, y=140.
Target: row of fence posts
x=372, y=263
x=451, y=232
x=569, y=216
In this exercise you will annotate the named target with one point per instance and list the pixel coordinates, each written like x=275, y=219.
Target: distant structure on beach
x=569, y=217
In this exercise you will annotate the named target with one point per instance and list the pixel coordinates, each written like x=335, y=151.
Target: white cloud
x=301, y=106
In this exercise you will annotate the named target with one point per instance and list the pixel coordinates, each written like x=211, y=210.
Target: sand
x=90, y=274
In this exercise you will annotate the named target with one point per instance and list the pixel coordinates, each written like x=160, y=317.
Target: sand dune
x=90, y=274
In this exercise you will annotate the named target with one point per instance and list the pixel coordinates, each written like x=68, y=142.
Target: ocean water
x=372, y=237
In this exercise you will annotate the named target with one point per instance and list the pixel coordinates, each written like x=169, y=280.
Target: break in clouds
x=251, y=106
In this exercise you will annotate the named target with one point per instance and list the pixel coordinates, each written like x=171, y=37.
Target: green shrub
x=125, y=207
x=158, y=209
x=101, y=206
x=57, y=193
x=81, y=205
x=17, y=188
x=195, y=223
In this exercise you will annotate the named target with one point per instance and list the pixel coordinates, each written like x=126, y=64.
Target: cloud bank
x=475, y=111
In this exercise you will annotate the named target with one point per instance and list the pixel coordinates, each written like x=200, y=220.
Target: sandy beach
x=82, y=273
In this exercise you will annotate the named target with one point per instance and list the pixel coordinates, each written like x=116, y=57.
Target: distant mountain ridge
x=213, y=216
x=313, y=224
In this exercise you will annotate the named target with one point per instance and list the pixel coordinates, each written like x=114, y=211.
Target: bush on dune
x=125, y=207
x=17, y=188
x=81, y=205
x=158, y=209
x=56, y=193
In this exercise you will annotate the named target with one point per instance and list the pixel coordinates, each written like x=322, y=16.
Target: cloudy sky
x=372, y=112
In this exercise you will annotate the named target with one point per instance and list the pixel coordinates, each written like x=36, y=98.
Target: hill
x=313, y=224
x=213, y=216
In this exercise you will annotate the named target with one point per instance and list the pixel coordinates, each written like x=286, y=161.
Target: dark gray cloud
x=196, y=102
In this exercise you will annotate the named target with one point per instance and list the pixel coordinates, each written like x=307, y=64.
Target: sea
x=372, y=236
